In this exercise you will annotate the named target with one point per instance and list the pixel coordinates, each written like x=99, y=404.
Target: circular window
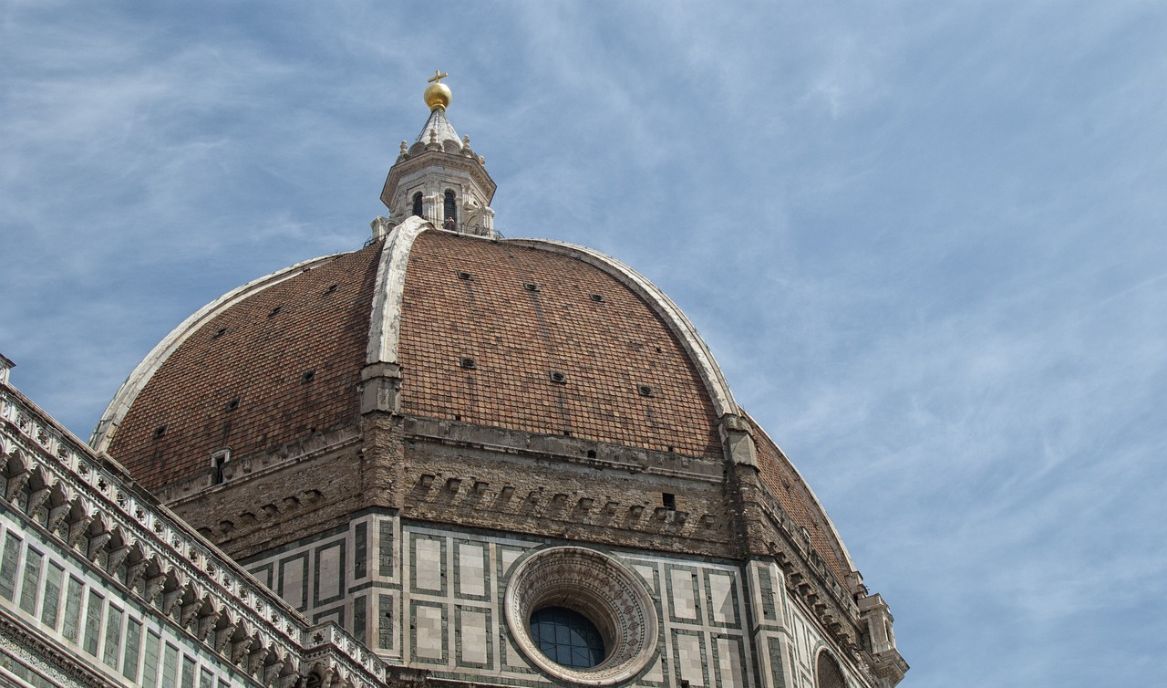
x=581, y=617
x=567, y=637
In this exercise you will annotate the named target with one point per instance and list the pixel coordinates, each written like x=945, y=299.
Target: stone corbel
x=171, y=598
x=117, y=556
x=223, y=636
x=206, y=624
x=239, y=649
x=272, y=672
x=16, y=483
x=77, y=529
x=37, y=498
x=292, y=680
x=327, y=675
x=154, y=586
x=256, y=659
x=96, y=542
x=57, y=514
x=134, y=572
x=187, y=611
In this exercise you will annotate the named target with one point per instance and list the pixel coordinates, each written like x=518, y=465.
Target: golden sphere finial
x=437, y=94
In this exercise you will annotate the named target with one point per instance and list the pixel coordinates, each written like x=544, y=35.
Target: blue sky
x=924, y=240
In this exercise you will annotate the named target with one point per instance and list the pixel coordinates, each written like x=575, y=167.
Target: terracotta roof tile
x=268, y=342
x=525, y=314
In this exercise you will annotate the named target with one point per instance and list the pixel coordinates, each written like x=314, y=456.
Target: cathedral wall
x=432, y=597
x=84, y=614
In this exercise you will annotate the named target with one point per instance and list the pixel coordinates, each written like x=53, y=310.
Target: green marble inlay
x=32, y=579
x=150, y=663
x=93, y=622
x=360, y=550
x=8, y=565
x=51, y=606
x=113, y=629
x=385, y=622
x=133, y=649
x=385, y=548
x=72, y=609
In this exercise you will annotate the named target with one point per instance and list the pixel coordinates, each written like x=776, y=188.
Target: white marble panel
x=729, y=663
x=292, y=582
x=684, y=603
x=721, y=589
x=475, y=636
x=429, y=632
x=329, y=573
x=428, y=564
x=690, y=661
x=471, y=571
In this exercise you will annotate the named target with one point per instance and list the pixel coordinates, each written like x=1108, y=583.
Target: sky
x=924, y=240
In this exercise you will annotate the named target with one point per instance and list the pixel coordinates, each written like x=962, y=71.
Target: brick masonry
x=277, y=368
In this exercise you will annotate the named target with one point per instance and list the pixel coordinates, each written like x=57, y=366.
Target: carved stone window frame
x=598, y=586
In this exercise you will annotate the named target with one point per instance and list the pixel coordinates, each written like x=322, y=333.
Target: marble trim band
x=385, y=320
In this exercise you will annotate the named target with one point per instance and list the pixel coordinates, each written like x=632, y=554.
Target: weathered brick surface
x=259, y=359
x=553, y=497
x=254, y=513
x=794, y=496
x=518, y=337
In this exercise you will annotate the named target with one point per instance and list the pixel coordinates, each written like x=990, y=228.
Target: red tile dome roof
x=526, y=335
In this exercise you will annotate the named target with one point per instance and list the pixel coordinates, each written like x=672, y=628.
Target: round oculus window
x=581, y=616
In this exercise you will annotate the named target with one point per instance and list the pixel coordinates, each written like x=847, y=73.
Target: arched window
x=417, y=204
x=450, y=209
x=567, y=637
x=828, y=673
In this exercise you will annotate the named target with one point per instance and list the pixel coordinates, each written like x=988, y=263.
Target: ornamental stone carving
x=600, y=588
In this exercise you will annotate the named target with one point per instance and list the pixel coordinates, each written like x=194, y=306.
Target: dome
x=526, y=335
x=458, y=457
